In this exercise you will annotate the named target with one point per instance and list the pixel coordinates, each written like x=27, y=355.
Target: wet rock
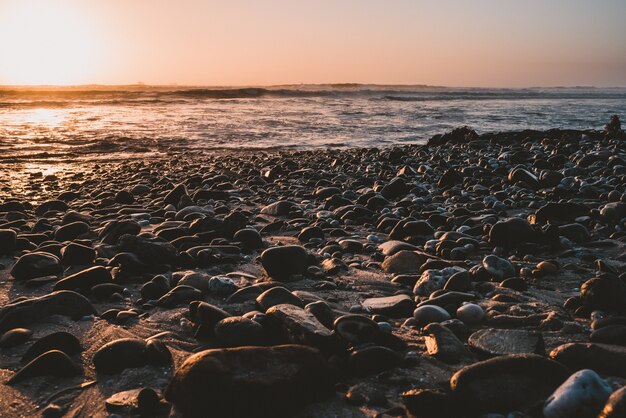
x=36, y=264
x=61, y=341
x=85, y=279
x=281, y=263
x=277, y=296
x=52, y=363
x=273, y=381
x=582, y=395
x=506, y=383
x=398, y=306
x=25, y=312
x=601, y=358
x=499, y=342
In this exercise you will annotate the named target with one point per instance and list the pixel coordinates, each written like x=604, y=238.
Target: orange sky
x=203, y=42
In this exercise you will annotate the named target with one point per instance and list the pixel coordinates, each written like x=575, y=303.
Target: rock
x=254, y=381
x=432, y=280
x=601, y=358
x=615, y=406
x=206, y=316
x=310, y=232
x=125, y=353
x=470, y=313
x=499, y=268
x=15, y=337
x=322, y=312
x=237, y=331
x=356, y=329
x=582, y=395
x=521, y=175
x=36, y=264
x=398, y=306
x=459, y=282
x=85, y=279
x=499, y=342
x=114, y=230
x=394, y=189
x=390, y=248
x=106, y=290
x=25, y=312
x=222, y=286
x=51, y=206
x=575, y=232
x=155, y=288
x=145, y=402
x=403, y=261
x=8, y=241
x=71, y=231
x=429, y=403
x=174, y=195
x=511, y=233
x=428, y=314
x=75, y=254
x=280, y=208
x=52, y=363
x=443, y=344
x=373, y=359
x=276, y=296
x=281, y=263
x=61, y=341
x=506, y=383
x=610, y=334
x=301, y=326
x=514, y=283
x=153, y=251
x=604, y=293
x=560, y=211
x=180, y=295
x=249, y=238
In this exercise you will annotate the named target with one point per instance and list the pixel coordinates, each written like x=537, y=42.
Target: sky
x=481, y=43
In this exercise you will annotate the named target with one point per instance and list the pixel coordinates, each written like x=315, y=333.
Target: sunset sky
x=235, y=42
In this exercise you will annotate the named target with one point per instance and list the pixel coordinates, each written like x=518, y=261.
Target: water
x=85, y=121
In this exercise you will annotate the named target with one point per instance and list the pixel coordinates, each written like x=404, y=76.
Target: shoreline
x=486, y=239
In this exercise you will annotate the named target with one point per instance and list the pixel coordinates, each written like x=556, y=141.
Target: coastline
x=435, y=205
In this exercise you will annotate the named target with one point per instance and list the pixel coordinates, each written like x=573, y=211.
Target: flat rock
x=253, y=381
x=403, y=261
x=601, y=358
x=302, y=326
x=36, y=264
x=398, y=306
x=499, y=342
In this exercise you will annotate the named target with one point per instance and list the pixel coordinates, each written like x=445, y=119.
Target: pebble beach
x=476, y=275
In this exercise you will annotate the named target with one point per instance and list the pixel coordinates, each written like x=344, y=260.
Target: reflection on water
x=80, y=123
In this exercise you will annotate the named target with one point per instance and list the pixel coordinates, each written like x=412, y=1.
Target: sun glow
x=47, y=42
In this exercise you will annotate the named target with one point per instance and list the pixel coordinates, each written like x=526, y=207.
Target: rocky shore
x=477, y=275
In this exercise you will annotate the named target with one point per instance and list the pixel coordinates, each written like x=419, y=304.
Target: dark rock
x=75, y=254
x=174, y=195
x=356, y=329
x=8, y=241
x=276, y=296
x=443, y=344
x=180, y=295
x=429, y=403
x=615, y=406
x=237, y=331
x=85, y=279
x=280, y=263
x=611, y=334
x=373, y=359
x=126, y=353
x=499, y=342
x=52, y=363
x=249, y=238
x=398, y=306
x=280, y=208
x=71, y=231
x=15, y=337
x=273, y=381
x=602, y=358
x=61, y=341
x=36, y=264
x=511, y=233
x=300, y=326
x=506, y=383
x=605, y=293
x=112, y=231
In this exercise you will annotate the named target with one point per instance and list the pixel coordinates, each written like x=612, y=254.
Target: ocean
x=91, y=121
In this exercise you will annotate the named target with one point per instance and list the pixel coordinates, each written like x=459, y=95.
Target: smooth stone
x=373, y=359
x=356, y=329
x=51, y=363
x=273, y=381
x=428, y=314
x=610, y=334
x=470, y=313
x=277, y=296
x=389, y=248
x=499, y=268
x=249, y=238
x=221, y=286
x=429, y=403
x=124, y=353
x=280, y=208
x=64, y=302
x=506, y=383
x=61, y=341
x=281, y=263
x=601, y=358
x=36, y=264
x=403, y=261
x=582, y=395
x=206, y=316
x=75, y=254
x=398, y=306
x=615, y=406
x=604, y=293
x=443, y=344
x=145, y=402
x=8, y=241
x=113, y=231
x=514, y=283
x=106, y=290
x=301, y=326
x=322, y=311
x=180, y=295
x=174, y=195
x=71, y=231
x=511, y=233
x=155, y=288
x=15, y=337
x=500, y=342
x=85, y=279
x=459, y=282
x=237, y=331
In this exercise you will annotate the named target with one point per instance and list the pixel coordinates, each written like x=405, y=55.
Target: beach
x=469, y=275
